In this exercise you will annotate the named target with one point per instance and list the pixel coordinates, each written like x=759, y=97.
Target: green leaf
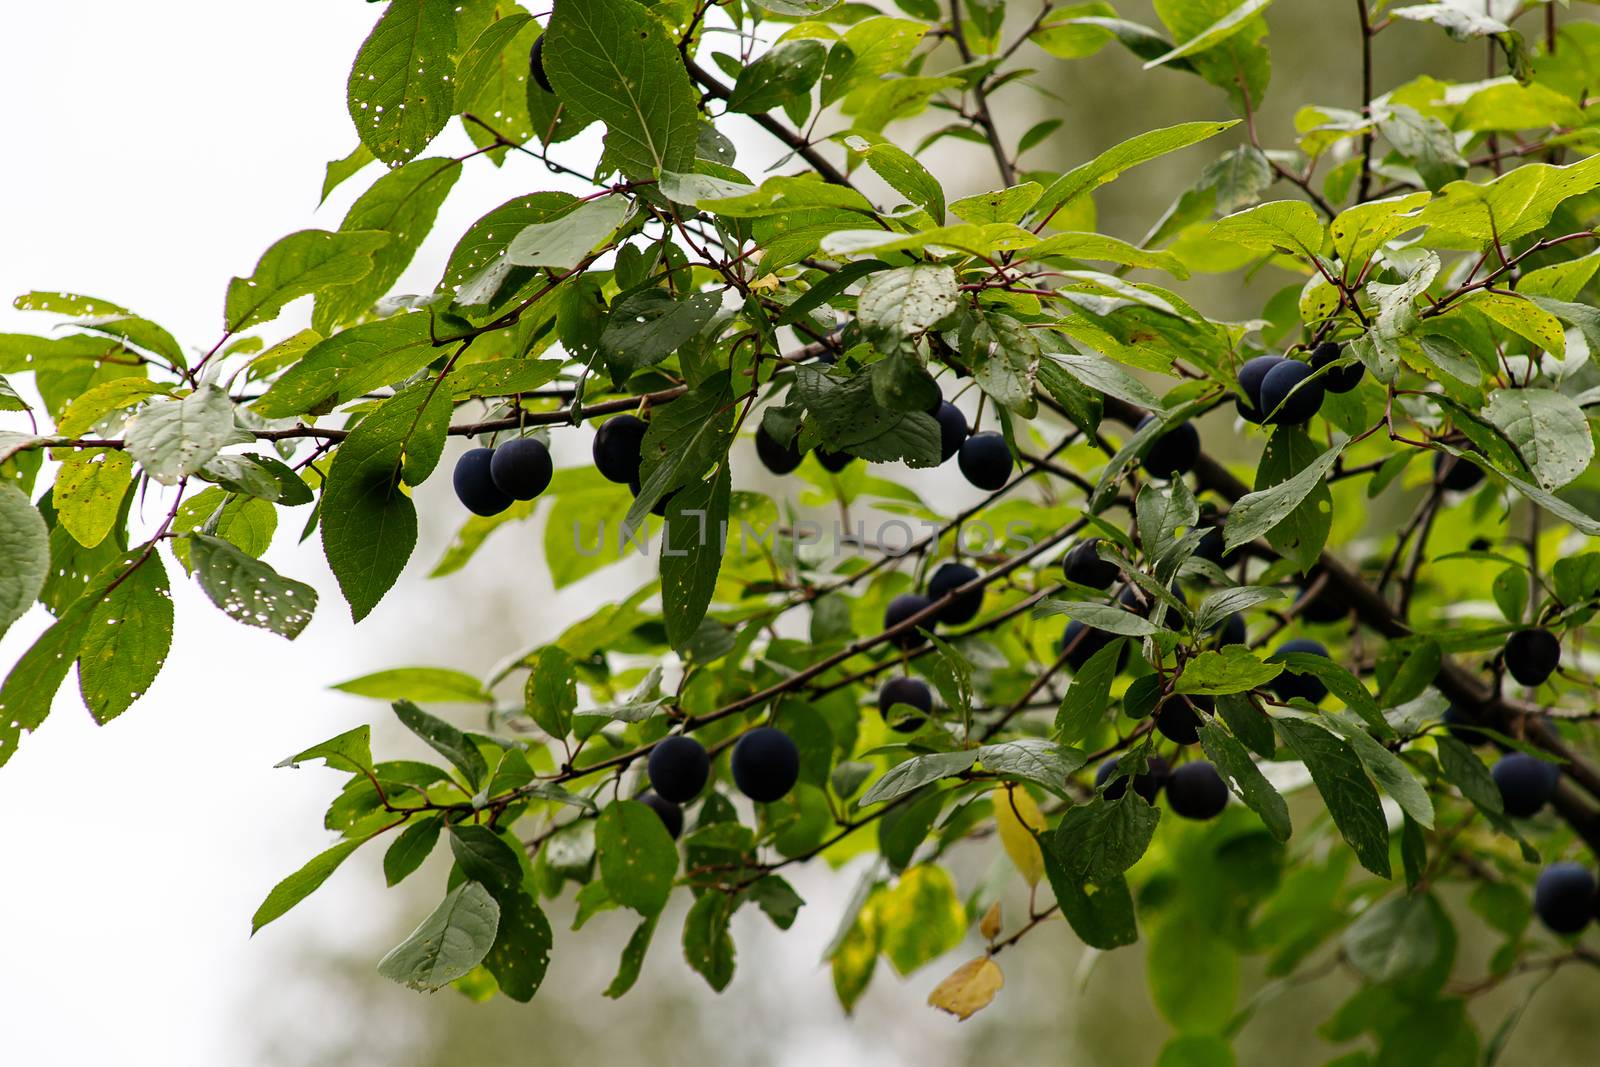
x=1246, y=779
x=520, y=957
x=786, y=71
x=1005, y=358
x=350, y=364
x=446, y=740
x=691, y=554
x=1109, y=249
x=551, y=693
x=409, y=849
x=1193, y=974
x=172, y=439
x=1101, y=914
x=493, y=79
x=341, y=169
x=906, y=302
x=448, y=943
x=1470, y=216
x=1002, y=205
x=1301, y=534
x=433, y=685
x=847, y=416
x=904, y=175
x=1100, y=840
x=1394, y=939
x=248, y=590
x=1089, y=695
x=1360, y=231
x=298, y=265
x=401, y=90
x=350, y=751
x=1110, y=164
x=369, y=526
x=648, y=325
x=484, y=856
x=1256, y=513
x=1289, y=226
x=1219, y=605
x=1231, y=23
x=611, y=59
x=917, y=772
x=27, y=541
x=1032, y=759
x=637, y=857
x=1351, y=798
x=127, y=640
x=1388, y=770
x=1234, y=669
x=1113, y=620
x=302, y=883
x=707, y=945
x=1548, y=430
x=89, y=490
x=920, y=919
x=685, y=440
x=563, y=243
x=403, y=203
x=26, y=696
x=633, y=956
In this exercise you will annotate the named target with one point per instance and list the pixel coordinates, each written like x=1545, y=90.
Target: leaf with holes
x=401, y=90
x=248, y=590
x=127, y=641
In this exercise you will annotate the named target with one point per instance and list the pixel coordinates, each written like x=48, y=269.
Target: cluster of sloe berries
x=765, y=765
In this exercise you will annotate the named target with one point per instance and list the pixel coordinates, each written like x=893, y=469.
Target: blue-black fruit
x=1085, y=646
x=985, y=460
x=1328, y=604
x=765, y=764
x=536, y=65
x=671, y=815
x=1290, y=684
x=678, y=768
x=1146, y=785
x=1532, y=655
x=1084, y=566
x=1172, y=453
x=1212, y=547
x=1341, y=380
x=1454, y=719
x=1196, y=791
x=1177, y=717
x=475, y=486
x=1280, y=407
x=777, y=458
x=902, y=608
x=521, y=468
x=911, y=691
x=1454, y=473
x=952, y=430
x=1564, y=897
x=834, y=461
x=1230, y=631
x=616, y=448
x=1250, y=375
x=1526, y=783
x=950, y=577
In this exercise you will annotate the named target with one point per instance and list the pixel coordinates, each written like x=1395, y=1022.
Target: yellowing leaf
x=1016, y=815
x=989, y=925
x=969, y=989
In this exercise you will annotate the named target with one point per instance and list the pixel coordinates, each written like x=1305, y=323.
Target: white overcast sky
x=151, y=151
